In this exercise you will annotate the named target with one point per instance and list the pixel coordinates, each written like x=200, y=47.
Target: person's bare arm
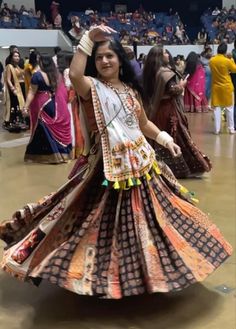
x=150, y=130
x=81, y=83
x=32, y=91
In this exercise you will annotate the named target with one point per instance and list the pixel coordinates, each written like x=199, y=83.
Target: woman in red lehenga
x=195, y=91
x=122, y=225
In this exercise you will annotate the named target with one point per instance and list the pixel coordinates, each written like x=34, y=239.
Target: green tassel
x=105, y=183
x=138, y=182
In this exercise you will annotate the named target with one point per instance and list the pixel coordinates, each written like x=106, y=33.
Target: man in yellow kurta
x=222, y=87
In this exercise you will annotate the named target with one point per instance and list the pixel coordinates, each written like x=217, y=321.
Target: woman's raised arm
x=82, y=83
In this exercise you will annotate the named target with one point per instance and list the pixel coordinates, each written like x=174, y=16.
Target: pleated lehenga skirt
x=94, y=240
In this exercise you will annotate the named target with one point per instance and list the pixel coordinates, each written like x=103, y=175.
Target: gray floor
x=209, y=305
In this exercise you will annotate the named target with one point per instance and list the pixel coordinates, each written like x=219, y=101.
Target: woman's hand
x=101, y=33
x=25, y=112
x=174, y=149
x=183, y=82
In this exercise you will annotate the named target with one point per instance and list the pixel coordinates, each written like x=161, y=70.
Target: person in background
x=54, y=10
x=128, y=233
x=14, y=95
x=194, y=95
x=163, y=100
x=233, y=77
x=1, y=76
x=222, y=88
x=64, y=59
x=12, y=49
x=205, y=58
x=134, y=63
x=202, y=37
x=179, y=64
x=30, y=68
x=56, y=51
x=57, y=21
x=141, y=60
x=46, y=103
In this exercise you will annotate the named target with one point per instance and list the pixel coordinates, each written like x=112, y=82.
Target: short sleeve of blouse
x=36, y=78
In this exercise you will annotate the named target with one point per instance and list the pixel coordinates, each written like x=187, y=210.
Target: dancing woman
x=163, y=99
x=122, y=225
x=46, y=103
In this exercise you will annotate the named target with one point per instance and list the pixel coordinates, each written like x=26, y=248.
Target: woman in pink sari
x=194, y=96
x=50, y=140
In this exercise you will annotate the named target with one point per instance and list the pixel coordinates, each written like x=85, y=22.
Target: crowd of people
x=140, y=26
x=122, y=225
x=33, y=89
x=38, y=96
x=13, y=17
x=219, y=25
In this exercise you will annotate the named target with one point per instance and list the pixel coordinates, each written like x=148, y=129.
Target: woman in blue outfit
x=50, y=140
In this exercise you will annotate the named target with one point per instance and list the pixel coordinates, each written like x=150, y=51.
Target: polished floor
x=210, y=305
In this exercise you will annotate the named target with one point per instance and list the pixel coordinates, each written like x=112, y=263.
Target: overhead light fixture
x=5, y=47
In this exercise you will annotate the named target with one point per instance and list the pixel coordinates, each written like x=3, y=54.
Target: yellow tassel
x=125, y=186
x=138, y=182
x=195, y=200
x=148, y=177
x=116, y=185
x=157, y=169
x=183, y=190
x=130, y=182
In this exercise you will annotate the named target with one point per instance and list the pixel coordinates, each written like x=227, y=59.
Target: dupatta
x=59, y=125
x=163, y=75
x=196, y=83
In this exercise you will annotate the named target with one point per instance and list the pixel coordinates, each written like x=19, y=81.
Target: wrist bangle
x=86, y=44
x=163, y=138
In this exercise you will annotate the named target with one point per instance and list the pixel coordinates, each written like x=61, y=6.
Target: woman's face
x=16, y=57
x=107, y=62
x=165, y=56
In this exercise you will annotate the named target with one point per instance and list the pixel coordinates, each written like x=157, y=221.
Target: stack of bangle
x=163, y=138
x=86, y=44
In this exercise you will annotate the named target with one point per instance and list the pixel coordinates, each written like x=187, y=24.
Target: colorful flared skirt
x=95, y=240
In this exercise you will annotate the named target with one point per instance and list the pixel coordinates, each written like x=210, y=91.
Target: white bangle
x=86, y=44
x=163, y=138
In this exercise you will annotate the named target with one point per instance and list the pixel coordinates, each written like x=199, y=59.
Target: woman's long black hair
x=126, y=74
x=64, y=59
x=154, y=61
x=192, y=61
x=34, y=58
x=48, y=66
